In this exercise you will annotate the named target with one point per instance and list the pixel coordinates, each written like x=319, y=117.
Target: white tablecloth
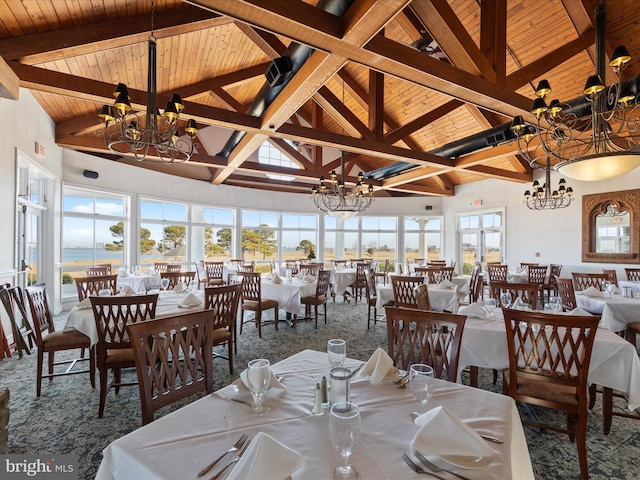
x=288, y=295
x=616, y=311
x=81, y=318
x=440, y=298
x=341, y=279
x=614, y=361
x=183, y=442
x=140, y=283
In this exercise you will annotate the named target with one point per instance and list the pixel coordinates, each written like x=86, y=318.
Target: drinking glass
x=505, y=299
x=259, y=378
x=611, y=289
x=337, y=352
x=605, y=286
x=438, y=278
x=490, y=305
x=344, y=432
x=164, y=283
x=421, y=384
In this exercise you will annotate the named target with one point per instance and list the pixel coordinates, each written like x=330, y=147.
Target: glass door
x=29, y=254
x=481, y=239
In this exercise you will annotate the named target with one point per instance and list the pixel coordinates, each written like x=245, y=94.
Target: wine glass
x=490, y=305
x=611, y=288
x=421, y=384
x=337, y=352
x=505, y=299
x=556, y=304
x=344, y=432
x=605, y=286
x=259, y=378
x=164, y=283
x=438, y=278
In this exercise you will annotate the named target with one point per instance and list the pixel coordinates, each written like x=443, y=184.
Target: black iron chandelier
x=154, y=136
x=541, y=197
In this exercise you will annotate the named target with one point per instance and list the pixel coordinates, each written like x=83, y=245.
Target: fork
x=434, y=468
x=417, y=468
x=232, y=462
x=235, y=448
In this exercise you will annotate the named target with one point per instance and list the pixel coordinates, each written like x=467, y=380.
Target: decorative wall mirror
x=611, y=227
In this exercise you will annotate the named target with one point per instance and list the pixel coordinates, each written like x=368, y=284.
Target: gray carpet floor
x=65, y=418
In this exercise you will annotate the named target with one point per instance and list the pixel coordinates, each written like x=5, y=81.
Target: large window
x=299, y=236
x=212, y=233
x=259, y=236
x=94, y=231
x=423, y=238
x=163, y=232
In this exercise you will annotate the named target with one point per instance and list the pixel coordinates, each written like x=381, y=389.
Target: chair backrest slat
x=176, y=277
x=527, y=292
x=91, y=286
x=633, y=274
x=582, y=281
x=566, y=293
x=404, y=290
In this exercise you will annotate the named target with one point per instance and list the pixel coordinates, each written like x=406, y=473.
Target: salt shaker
x=317, y=402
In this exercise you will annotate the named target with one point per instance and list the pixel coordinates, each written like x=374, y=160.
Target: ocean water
x=84, y=255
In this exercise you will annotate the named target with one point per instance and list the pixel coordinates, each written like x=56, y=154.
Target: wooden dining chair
x=538, y=275
x=174, y=268
x=372, y=298
x=359, y=285
x=319, y=297
x=292, y=265
x=214, y=272
x=429, y=272
x=567, y=294
x=24, y=337
x=549, y=358
x=419, y=336
x=475, y=293
x=380, y=274
x=550, y=287
x=528, y=264
x=527, y=292
x=177, y=278
x=50, y=341
x=222, y=303
x=91, y=286
x=422, y=297
x=173, y=360
x=252, y=301
x=311, y=269
x=160, y=266
x=582, y=281
x=97, y=271
x=404, y=290
x=633, y=274
x=113, y=350
x=612, y=275
x=246, y=268
x=497, y=272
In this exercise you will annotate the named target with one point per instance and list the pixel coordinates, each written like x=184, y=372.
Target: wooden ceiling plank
x=447, y=30
x=501, y=174
x=265, y=41
x=49, y=46
x=422, y=121
x=341, y=114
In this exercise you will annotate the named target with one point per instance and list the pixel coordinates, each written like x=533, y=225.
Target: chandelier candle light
x=158, y=137
x=593, y=137
x=542, y=197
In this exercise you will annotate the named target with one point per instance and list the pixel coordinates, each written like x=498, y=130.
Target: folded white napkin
x=309, y=279
x=266, y=459
x=127, y=290
x=379, y=366
x=454, y=436
x=579, y=312
x=191, y=300
x=592, y=292
x=86, y=303
x=474, y=310
x=276, y=279
x=122, y=272
x=447, y=284
x=180, y=287
x=243, y=383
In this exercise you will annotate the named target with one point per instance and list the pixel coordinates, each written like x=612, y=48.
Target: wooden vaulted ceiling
x=388, y=82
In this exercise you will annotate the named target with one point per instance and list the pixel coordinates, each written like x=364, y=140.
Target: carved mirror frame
x=592, y=205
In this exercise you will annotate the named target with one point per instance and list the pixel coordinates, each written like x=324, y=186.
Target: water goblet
x=505, y=299
x=421, y=384
x=259, y=378
x=337, y=352
x=605, y=287
x=611, y=289
x=164, y=283
x=344, y=432
x=490, y=305
x=438, y=278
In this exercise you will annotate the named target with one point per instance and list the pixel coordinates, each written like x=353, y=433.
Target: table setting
x=444, y=296
x=616, y=309
x=362, y=429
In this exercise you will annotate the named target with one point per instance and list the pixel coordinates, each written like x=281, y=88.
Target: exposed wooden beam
x=9, y=81
x=376, y=103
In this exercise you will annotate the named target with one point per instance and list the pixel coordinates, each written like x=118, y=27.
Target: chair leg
x=39, y=374
x=51, y=361
x=607, y=409
x=581, y=444
x=592, y=396
x=473, y=376
x=92, y=366
x=259, y=322
x=230, y=342
x=103, y=391
x=117, y=379
x=275, y=315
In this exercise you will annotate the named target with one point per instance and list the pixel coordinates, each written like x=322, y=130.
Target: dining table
x=180, y=444
x=441, y=298
x=288, y=294
x=614, y=361
x=616, y=310
x=140, y=283
x=169, y=303
x=342, y=278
